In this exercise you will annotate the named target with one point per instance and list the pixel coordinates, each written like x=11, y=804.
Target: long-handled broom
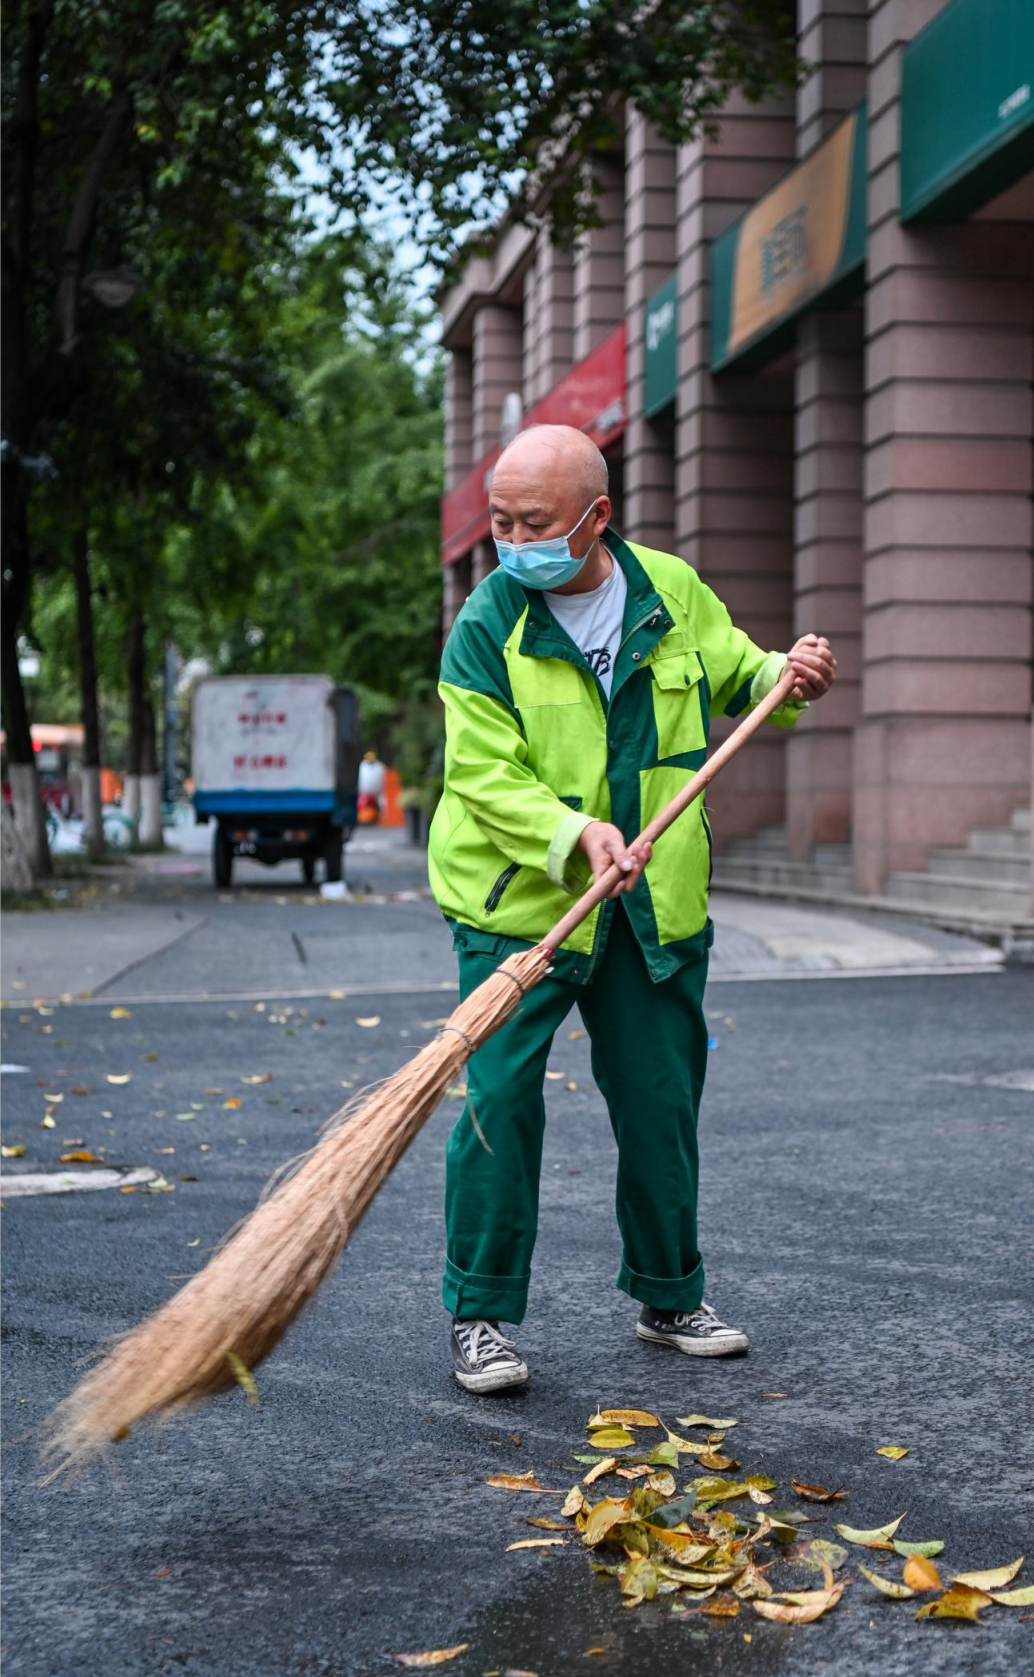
x=230, y=1316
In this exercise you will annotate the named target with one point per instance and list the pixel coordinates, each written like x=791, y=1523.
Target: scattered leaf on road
x=760, y=1497
x=1014, y=1598
x=600, y=1471
x=624, y=1418
x=932, y=1547
x=119, y=1076
x=995, y=1578
x=515, y=1481
x=956, y=1604
x=665, y=1455
x=574, y=1503
x=663, y=1482
x=544, y=1524
x=888, y=1586
x=822, y=1552
x=801, y=1607
x=815, y=1493
x=243, y=1376
x=871, y=1539
x=121, y=1013
x=894, y=1451
x=233, y=1102
x=196, y=1242
x=535, y=1543
x=612, y=1438
x=556, y=1076
x=571, y=1086
x=47, y=1122
x=53, y=1100
x=80, y=1157
x=259, y=1077
x=921, y=1574
x=704, y=1421
x=432, y=1656
x=12, y=1152
x=370, y=1021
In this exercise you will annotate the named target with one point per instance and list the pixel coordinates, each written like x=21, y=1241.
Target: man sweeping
x=579, y=681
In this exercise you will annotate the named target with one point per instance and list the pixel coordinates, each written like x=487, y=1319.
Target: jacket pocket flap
x=677, y=669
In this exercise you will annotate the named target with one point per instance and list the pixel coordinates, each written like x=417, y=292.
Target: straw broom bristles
x=231, y=1315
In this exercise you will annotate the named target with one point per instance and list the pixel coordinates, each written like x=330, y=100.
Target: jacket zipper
x=494, y=896
x=710, y=845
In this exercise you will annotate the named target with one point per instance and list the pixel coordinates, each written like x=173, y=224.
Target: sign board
x=660, y=347
x=967, y=108
x=804, y=237
x=591, y=397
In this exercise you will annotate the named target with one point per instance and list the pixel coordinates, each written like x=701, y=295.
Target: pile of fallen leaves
x=658, y=1539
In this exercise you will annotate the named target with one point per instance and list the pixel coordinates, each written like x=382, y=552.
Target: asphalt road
x=866, y=1214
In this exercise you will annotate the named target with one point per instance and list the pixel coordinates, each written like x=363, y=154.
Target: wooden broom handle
x=603, y=886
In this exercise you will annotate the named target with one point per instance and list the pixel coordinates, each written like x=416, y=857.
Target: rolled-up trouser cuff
x=497, y=1298
x=684, y=1293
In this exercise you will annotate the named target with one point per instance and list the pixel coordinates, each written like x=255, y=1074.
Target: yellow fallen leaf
x=722, y=1607
x=535, y=1543
x=555, y=1076
x=79, y=1157
x=53, y=1099
x=544, y=1524
x=686, y=1446
x=610, y=1438
x=575, y=1036
x=370, y=1021
x=760, y=1497
x=149, y=1056
x=574, y=1503
x=894, y=1451
x=433, y=1656
x=607, y=1465
x=234, y=1101
x=704, y=1421
x=663, y=1482
x=806, y=1606
x=119, y=1077
x=515, y=1481
x=243, y=1376
x=995, y=1579
x=12, y=1152
x=1014, y=1598
x=127, y=1188
x=336, y=995
x=48, y=1123
x=888, y=1586
x=165, y=1149
x=259, y=1077
x=921, y=1574
x=871, y=1539
x=571, y=1086
x=196, y=1242
x=624, y=1418
x=956, y=1604
x=121, y=1013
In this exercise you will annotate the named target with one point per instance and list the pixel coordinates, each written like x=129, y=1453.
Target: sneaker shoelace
x=702, y=1317
x=483, y=1355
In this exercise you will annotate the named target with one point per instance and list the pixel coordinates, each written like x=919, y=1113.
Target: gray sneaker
x=699, y=1333
x=483, y=1359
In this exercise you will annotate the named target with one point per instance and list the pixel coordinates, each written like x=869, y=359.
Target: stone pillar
x=554, y=265
x=456, y=584
x=827, y=573
x=944, y=740
x=829, y=466
x=498, y=369
x=459, y=416
x=734, y=439
x=483, y=560
x=649, y=459
x=599, y=262
x=532, y=349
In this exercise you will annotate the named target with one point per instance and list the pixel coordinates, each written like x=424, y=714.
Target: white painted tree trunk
x=17, y=874
x=29, y=817
x=131, y=796
x=93, y=819
x=149, y=825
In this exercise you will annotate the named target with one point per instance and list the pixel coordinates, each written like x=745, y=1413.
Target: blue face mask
x=546, y=564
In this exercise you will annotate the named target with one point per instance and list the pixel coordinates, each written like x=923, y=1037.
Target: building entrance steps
x=983, y=887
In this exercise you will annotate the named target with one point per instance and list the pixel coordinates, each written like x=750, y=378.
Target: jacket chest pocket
x=679, y=704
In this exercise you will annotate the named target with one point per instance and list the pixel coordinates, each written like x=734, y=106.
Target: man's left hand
x=814, y=666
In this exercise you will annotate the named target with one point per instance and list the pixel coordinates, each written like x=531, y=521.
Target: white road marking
x=20, y=1185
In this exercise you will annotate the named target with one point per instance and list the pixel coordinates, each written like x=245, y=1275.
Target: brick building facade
x=807, y=349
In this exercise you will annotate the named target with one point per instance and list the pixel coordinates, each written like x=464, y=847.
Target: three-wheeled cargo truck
x=275, y=762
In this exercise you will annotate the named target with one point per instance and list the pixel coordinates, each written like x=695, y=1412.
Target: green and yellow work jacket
x=535, y=752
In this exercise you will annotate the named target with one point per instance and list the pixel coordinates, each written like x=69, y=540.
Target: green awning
x=967, y=108
x=660, y=347
x=801, y=244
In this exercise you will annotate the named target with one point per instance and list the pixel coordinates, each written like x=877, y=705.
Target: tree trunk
x=16, y=877
x=135, y=679
x=149, y=827
x=21, y=759
x=93, y=820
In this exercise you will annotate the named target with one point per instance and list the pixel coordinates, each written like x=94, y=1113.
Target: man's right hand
x=604, y=845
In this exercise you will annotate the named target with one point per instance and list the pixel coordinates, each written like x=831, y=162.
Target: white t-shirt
x=593, y=620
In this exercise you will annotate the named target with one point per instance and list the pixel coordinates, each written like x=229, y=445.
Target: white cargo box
x=267, y=734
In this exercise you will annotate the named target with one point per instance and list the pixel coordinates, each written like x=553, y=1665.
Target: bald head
x=544, y=485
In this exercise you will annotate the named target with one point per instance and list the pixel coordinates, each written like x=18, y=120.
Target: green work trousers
x=649, y=1056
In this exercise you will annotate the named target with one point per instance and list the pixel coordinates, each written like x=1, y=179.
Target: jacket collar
x=646, y=619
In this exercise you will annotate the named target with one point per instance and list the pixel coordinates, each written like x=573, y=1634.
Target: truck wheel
x=222, y=860
x=308, y=869
x=332, y=855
